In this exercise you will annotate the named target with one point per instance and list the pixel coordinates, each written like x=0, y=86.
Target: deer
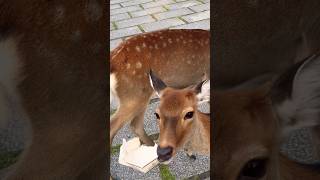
x=250, y=125
x=257, y=40
x=169, y=53
x=181, y=124
x=53, y=67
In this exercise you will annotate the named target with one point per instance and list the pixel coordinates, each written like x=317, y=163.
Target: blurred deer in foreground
x=249, y=126
x=181, y=124
x=179, y=57
x=53, y=74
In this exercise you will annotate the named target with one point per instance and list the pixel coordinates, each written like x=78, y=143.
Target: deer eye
x=157, y=115
x=189, y=115
x=254, y=169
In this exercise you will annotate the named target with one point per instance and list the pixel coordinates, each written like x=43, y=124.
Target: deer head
x=250, y=125
x=177, y=115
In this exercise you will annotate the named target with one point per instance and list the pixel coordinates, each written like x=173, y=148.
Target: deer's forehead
x=175, y=101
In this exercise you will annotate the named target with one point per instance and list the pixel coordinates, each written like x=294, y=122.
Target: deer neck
x=199, y=140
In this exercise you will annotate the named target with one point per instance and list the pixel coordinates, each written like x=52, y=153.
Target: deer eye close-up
x=189, y=115
x=253, y=169
x=157, y=115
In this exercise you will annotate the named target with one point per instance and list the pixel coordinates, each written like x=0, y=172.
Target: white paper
x=142, y=157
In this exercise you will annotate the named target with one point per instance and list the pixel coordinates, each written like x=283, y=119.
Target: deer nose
x=164, y=154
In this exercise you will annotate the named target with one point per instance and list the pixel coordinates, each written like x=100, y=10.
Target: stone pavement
x=131, y=17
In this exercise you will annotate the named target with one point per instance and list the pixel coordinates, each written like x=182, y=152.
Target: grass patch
x=115, y=149
x=8, y=158
x=165, y=172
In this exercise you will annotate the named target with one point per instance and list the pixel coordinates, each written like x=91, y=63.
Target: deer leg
x=128, y=110
x=137, y=126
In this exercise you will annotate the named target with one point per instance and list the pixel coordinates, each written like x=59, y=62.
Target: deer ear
x=203, y=91
x=296, y=95
x=156, y=83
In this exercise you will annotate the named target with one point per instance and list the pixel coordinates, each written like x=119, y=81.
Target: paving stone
x=115, y=6
x=124, y=32
x=197, y=16
x=117, y=1
x=125, y=9
x=135, y=2
x=204, y=24
x=134, y=21
x=183, y=4
x=163, y=24
x=119, y=17
x=157, y=3
x=114, y=43
x=171, y=14
x=201, y=7
x=147, y=11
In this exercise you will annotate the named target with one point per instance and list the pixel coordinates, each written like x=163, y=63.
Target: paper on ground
x=137, y=156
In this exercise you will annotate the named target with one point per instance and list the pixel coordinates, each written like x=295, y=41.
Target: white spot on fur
x=161, y=37
x=144, y=45
x=138, y=65
x=170, y=40
x=128, y=66
x=177, y=39
x=189, y=62
x=156, y=46
x=138, y=49
x=184, y=41
x=164, y=44
x=133, y=72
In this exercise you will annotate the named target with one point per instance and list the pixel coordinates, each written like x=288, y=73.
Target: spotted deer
x=250, y=125
x=53, y=73
x=181, y=124
x=179, y=57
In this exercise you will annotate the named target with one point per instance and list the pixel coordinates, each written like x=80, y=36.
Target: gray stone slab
x=147, y=11
x=197, y=16
x=117, y=1
x=124, y=32
x=119, y=17
x=134, y=2
x=115, y=6
x=157, y=3
x=183, y=4
x=134, y=21
x=201, y=7
x=204, y=24
x=163, y=24
x=125, y=9
x=172, y=13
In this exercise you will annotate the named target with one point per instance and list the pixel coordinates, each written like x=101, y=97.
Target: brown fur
x=246, y=128
x=167, y=52
x=256, y=37
x=63, y=87
x=193, y=135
